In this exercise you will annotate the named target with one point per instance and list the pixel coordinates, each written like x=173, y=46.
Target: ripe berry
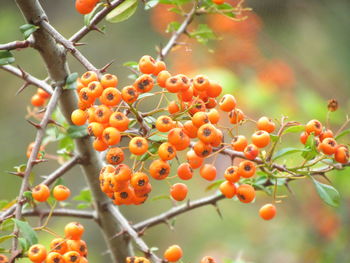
x=78, y=246
x=214, y=89
x=236, y=116
x=200, y=118
x=173, y=107
x=110, y=97
x=261, y=139
x=54, y=257
x=342, y=154
x=109, y=80
x=208, y=172
x=231, y=174
x=95, y=129
x=185, y=171
x=173, y=253
x=176, y=136
x=99, y=145
x=194, y=160
x=213, y=116
x=139, y=180
x=201, y=149
x=79, y=117
x=178, y=191
x=303, y=137
x=96, y=88
x=37, y=100
x=164, y=123
x=71, y=257
x=41, y=193
x=267, y=212
x=102, y=114
x=166, y=151
x=266, y=124
x=37, y=253
x=201, y=83
x=160, y=66
x=58, y=245
x=228, y=189
x=246, y=169
x=328, y=146
x=42, y=93
x=313, y=126
x=159, y=169
x=147, y=65
x=245, y=193
x=88, y=76
x=138, y=145
x=115, y=156
x=83, y=7
x=3, y=259
x=162, y=78
x=227, y=103
x=119, y=120
x=74, y=230
x=218, y=2
x=61, y=192
x=190, y=129
x=111, y=136
x=207, y=133
x=326, y=134
x=196, y=105
x=239, y=143
x=144, y=83
x=129, y=94
x=251, y=151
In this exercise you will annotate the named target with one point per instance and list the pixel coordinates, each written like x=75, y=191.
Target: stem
x=15, y=45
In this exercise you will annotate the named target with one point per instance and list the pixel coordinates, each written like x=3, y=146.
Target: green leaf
x=151, y=3
x=88, y=17
x=160, y=197
x=160, y=137
x=83, y=205
x=26, y=231
x=286, y=151
x=7, y=237
x=327, y=193
x=297, y=128
x=3, y=203
x=274, y=137
x=214, y=185
x=28, y=29
x=24, y=243
x=71, y=81
x=203, y=34
x=153, y=149
x=310, y=150
x=343, y=133
x=6, y=57
x=75, y=132
x=131, y=64
x=150, y=120
x=7, y=225
x=122, y=12
x=28, y=195
x=84, y=196
x=172, y=27
x=225, y=9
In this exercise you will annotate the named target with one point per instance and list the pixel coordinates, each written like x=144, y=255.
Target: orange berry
x=119, y=120
x=115, y=156
x=196, y=105
x=96, y=88
x=166, y=151
x=184, y=171
x=236, y=116
x=144, y=83
x=266, y=124
x=208, y=172
x=341, y=154
x=86, y=96
x=213, y=116
x=218, y=2
x=74, y=230
x=83, y=8
x=91, y=114
x=227, y=103
x=3, y=259
x=261, y=139
x=303, y=137
x=61, y=192
x=218, y=138
x=58, y=245
x=71, y=257
x=142, y=192
x=201, y=83
x=246, y=193
x=111, y=136
x=95, y=129
x=162, y=78
x=110, y=97
x=109, y=80
x=207, y=133
x=78, y=246
x=267, y=212
x=159, y=169
x=102, y=114
x=160, y=66
x=186, y=95
x=194, y=160
x=202, y=149
x=42, y=93
x=328, y=146
x=139, y=180
x=129, y=94
x=122, y=173
x=214, y=90
x=246, y=169
x=231, y=174
x=88, y=77
x=176, y=136
x=147, y=65
x=200, y=118
x=37, y=253
x=37, y=100
x=251, y=151
x=190, y=129
x=228, y=189
x=239, y=143
x=54, y=257
x=30, y=149
x=41, y=193
x=178, y=191
x=164, y=123
x=138, y=145
x=173, y=84
x=173, y=253
x=99, y=144
x=184, y=144
x=313, y=126
x=79, y=117
x=173, y=107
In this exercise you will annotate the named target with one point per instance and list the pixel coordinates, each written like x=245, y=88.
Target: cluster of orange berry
x=4, y=259
x=85, y=6
x=41, y=192
x=325, y=142
x=39, y=98
x=71, y=249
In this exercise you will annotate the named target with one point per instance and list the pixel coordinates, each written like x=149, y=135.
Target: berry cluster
x=41, y=193
x=40, y=98
x=71, y=249
x=324, y=141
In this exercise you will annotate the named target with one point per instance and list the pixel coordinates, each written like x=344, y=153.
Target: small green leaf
x=160, y=137
x=23, y=243
x=84, y=195
x=160, y=197
x=286, y=151
x=88, y=17
x=83, y=205
x=151, y=3
x=153, y=149
x=75, y=132
x=26, y=231
x=131, y=64
x=71, y=81
x=310, y=150
x=327, y=193
x=7, y=225
x=7, y=237
x=297, y=128
x=172, y=27
x=203, y=34
x=28, y=195
x=28, y=29
x=124, y=11
x=214, y=185
x=343, y=133
x=6, y=57
x=274, y=137
x=153, y=249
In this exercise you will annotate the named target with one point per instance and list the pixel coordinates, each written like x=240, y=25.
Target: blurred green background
x=291, y=59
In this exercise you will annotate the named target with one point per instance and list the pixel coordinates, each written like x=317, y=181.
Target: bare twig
x=61, y=212
x=15, y=45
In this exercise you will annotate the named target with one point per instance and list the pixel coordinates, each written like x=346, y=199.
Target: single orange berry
x=37, y=253
x=178, y=191
x=261, y=139
x=54, y=257
x=119, y=120
x=115, y=156
x=328, y=146
x=228, y=189
x=266, y=124
x=61, y=192
x=341, y=154
x=58, y=245
x=159, y=169
x=111, y=136
x=88, y=76
x=246, y=193
x=267, y=212
x=129, y=94
x=79, y=117
x=138, y=145
x=185, y=171
x=227, y=103
x=4, y=259
x=251, y=151
x=166, y=151
x=147, y=65
x=37, y=100
x=246, y=169
x=231, y=174
x=41, y=193
x=74, y=230
x=109, y=80
x=164, y=123
x=173, y=253
x=239, y=143
x=236, y=116
x=208, y=172
x=71, y=257
x=194, y=160
x=313, y=126
x=144, y=83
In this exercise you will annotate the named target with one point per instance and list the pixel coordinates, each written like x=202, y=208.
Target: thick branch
x=28, y=78
x=15, y=45
x=177, y=210
x=61, y=212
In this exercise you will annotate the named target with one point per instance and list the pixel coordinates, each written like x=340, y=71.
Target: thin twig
x=15, y=45
x=61, y=212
